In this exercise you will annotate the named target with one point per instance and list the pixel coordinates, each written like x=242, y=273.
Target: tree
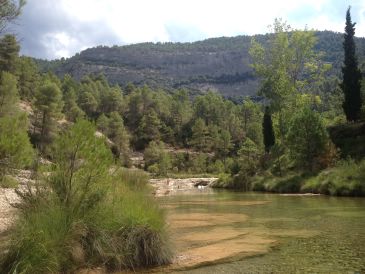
x=88, y=103
x=81, y=166
x=149, y=128
x=120, y=137
x=8, y=94
x=351, y=83
x=157, y=160
x=102, y=123
x=248, y=159
x=111, y=100
x=71, y=109
x=268, y=131
x=48, y=104
x=200, y=138
x=9, y=53
x=15, y=148
x=28, y=78
x=224, y=145
x=288, y=67
x=9, y=10
x=69, y=91
x=307, y=138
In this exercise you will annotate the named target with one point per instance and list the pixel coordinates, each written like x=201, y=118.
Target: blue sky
x=60, y=28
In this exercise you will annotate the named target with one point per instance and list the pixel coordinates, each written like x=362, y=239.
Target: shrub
x=307, y=138
x=82, y=215
x=347, y=178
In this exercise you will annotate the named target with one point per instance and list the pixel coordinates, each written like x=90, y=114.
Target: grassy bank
x=347, y=178
x=86, y=213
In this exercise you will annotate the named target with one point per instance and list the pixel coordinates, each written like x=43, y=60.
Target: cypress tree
x=268, y=131
x=350, y=85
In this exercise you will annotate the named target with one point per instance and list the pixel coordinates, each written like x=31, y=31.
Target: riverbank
x=346, y=178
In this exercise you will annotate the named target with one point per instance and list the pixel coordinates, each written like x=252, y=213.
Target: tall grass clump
x=83, y=213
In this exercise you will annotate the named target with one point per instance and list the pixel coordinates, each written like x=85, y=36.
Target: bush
x=290, y=183
x=307, y=138
x=347, y=178
x=82, y=215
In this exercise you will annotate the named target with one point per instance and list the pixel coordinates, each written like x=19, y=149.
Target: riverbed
x=235, y=232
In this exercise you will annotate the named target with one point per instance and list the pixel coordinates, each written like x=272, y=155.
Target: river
x=235, y=232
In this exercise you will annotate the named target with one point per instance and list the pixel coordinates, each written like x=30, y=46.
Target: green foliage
x=345, y=179
x=15, y=148
x=149, y=128
x=9, y=52
x=8, y=181
x=351, y=84
x=248, y=157
x=119, y=136
x=157, y=160
x=290, y=183
x=200, y=139
x=81, y=167
x=350, y=139
x=9, y=11
x=8, y=94
x=88, y=103
x=48, y=104
x=102, y=123
x=70, y=89
x=82, y=214
x=307, y=138
x=28, y=78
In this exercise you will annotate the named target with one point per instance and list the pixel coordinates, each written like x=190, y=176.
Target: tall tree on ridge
x=351, y=83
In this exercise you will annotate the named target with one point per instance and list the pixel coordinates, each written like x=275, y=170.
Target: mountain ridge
x=221, y=64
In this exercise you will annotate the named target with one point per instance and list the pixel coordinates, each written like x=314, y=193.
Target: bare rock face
x=171, y=186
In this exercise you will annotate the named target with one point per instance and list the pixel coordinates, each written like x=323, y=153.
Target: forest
x=88, y=203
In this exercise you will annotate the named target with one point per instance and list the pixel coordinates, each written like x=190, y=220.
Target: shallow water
x=268, y=233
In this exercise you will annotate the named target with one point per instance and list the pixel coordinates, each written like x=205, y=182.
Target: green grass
x=126, y=229
x=8, y=182
x=289, y=183
x=347, y=178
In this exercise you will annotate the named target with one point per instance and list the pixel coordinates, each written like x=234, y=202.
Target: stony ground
x=8, y=197
x=7, y=212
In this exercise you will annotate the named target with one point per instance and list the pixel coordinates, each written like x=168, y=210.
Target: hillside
x=220, y=64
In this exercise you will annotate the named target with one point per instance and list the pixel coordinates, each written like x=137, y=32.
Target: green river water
x=313, y=234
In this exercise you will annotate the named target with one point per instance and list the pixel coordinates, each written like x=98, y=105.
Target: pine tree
x=9, y=53
x=8, y=94
x=9, y=11
x=268, y=131
x=48, y=104
x=351, y=83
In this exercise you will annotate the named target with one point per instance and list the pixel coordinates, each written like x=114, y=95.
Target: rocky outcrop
x=169, y=186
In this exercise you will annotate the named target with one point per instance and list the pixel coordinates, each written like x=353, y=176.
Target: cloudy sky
x=60, y=28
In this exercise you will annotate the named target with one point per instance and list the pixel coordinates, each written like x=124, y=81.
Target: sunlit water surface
x=312, y=234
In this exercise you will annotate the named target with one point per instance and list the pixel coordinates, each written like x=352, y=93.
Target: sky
x=51, y=29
